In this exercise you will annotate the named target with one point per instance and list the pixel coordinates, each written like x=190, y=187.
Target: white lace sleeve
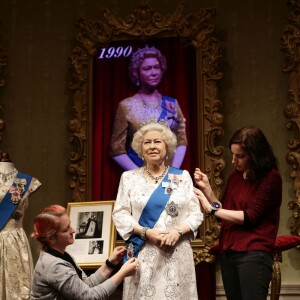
x=195, y=216
x=122, y=214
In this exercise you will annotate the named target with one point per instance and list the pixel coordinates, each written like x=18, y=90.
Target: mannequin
x=16, y=263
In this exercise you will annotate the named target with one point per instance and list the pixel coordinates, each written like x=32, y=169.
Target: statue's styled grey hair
x=167, y=135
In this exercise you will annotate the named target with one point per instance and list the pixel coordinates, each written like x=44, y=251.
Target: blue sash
x=168, y=112
x=151, y=213
x=134, y=157
x=11, y=199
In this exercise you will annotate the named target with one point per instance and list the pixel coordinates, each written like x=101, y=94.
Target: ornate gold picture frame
x=145, y=23
x=95, y=233
x=290, y=45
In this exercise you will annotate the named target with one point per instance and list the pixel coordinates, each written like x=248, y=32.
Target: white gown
x=16, y=265
x=162, y=274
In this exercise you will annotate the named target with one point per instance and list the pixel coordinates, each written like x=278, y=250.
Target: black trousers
x=246, y=275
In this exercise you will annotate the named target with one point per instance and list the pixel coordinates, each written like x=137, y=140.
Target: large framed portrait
x=95, y=233
x=111, y=81
x=100, y=80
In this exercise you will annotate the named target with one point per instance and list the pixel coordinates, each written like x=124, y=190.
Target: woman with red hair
x=57, y=276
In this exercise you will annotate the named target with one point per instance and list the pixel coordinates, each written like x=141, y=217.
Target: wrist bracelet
x=143, y=233
x=111, y=265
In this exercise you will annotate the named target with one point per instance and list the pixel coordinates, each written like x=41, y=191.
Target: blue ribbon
x=7, y=207
x=151, y=212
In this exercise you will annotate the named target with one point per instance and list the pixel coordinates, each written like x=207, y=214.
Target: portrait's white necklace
x=146, y=103
x=157, y=178
x=5, y=177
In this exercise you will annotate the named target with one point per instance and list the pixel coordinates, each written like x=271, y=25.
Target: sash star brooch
x=172, y=209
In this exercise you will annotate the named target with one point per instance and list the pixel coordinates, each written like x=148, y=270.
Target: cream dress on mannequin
x=16, y=264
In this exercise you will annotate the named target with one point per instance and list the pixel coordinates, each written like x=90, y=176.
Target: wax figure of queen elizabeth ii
x=157, y=214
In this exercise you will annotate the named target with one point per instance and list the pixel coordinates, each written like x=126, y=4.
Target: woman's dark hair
x=260, y=152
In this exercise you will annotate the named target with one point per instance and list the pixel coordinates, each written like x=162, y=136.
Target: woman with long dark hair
x=249, y=213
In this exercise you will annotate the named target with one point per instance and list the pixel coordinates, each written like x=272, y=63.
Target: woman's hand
x=202, y=181
x=117, y=255
x=130, y=267
x=169, y=240
x=203, y=200
x=155, y=236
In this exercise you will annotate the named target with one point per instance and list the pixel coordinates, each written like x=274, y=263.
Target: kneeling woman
x=57, y=276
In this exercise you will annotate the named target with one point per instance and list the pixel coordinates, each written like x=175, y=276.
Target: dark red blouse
x=261, y=201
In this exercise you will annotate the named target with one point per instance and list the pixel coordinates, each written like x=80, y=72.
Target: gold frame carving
x=290, y=44
x=3, y=63
x=145, y=22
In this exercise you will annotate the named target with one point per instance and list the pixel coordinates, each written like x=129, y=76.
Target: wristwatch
x=215, y=206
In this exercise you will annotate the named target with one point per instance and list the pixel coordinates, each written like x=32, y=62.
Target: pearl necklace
x=157, y=178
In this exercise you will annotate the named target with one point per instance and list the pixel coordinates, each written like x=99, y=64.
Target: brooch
x=15, y=195
x=175, y=178
x=169, y=187
x=130, y=250
x=18, y=190
x=173, y=184
x=172, y=209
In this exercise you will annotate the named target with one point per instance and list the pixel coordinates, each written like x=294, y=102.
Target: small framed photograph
x=95, y=233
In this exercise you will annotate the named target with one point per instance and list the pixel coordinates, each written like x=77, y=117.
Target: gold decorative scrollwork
x=143, y=23
x=3, y=62
x=291, y=45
